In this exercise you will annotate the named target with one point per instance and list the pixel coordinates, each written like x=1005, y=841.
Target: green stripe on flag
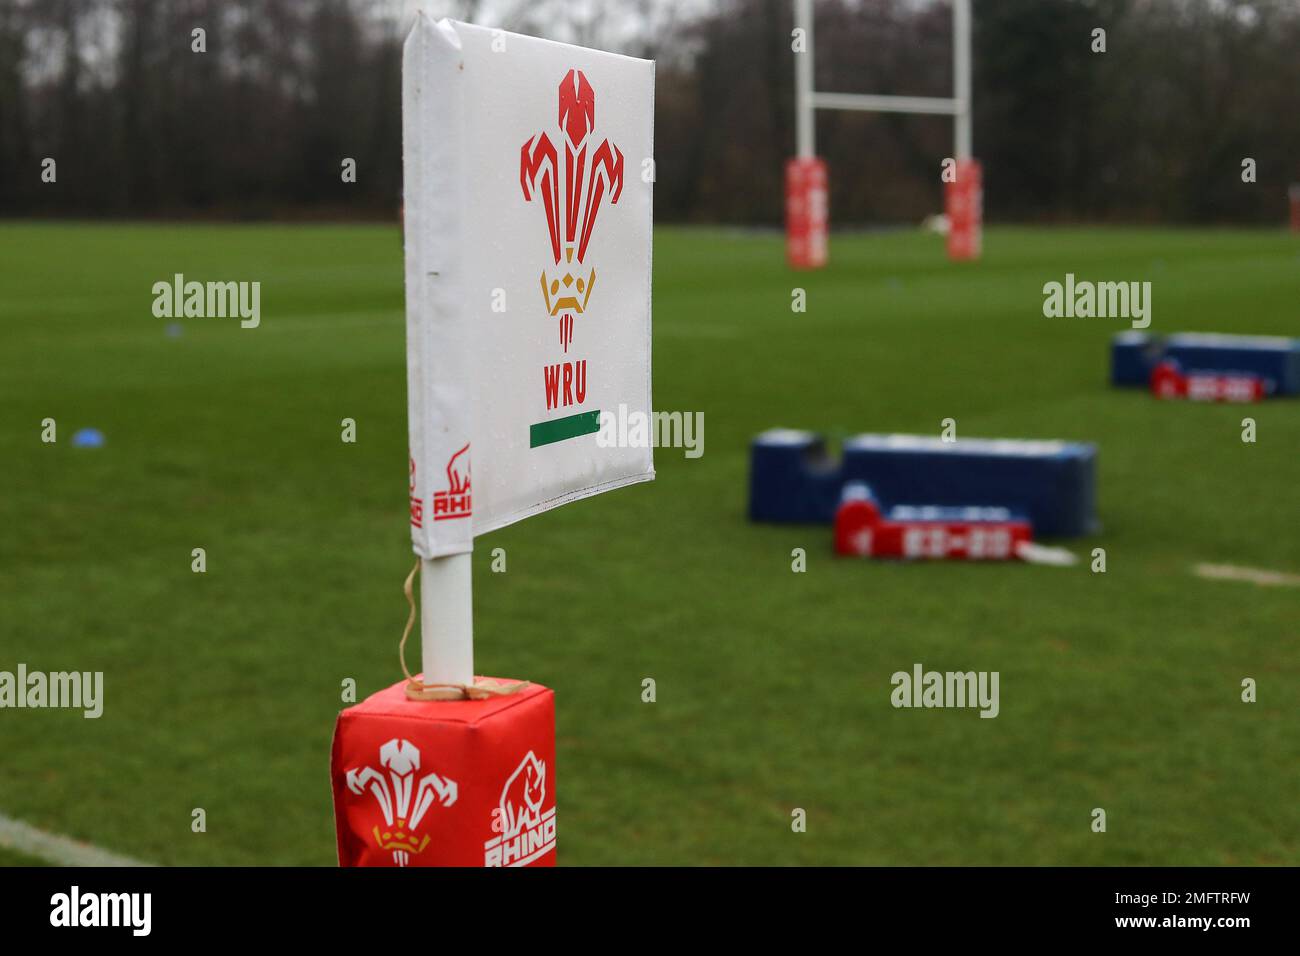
x=559, y=429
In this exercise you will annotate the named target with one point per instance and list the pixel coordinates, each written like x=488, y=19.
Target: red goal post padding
x=806, y=213
x=964, y=204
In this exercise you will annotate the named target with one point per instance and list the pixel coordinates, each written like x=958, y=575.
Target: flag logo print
x=571, y=190
x=417, y=503
x=578, y=201
x=455, y=502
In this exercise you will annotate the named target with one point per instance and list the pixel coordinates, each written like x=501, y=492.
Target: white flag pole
x=447, y=620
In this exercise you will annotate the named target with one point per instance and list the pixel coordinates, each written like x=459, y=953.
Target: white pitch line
x=28, y=840
x=1260, y=576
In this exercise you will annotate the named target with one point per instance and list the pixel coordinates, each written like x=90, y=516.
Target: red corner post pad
x=446, y=783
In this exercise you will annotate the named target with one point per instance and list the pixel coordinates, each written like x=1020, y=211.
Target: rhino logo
x=522, y=796
x=525, y=831
x=456, y=501
x=458, y=471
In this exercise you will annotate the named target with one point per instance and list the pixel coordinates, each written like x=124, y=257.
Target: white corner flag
x=527, y=274
x=528, y=217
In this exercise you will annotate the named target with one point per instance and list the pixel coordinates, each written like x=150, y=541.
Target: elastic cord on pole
x=482, y=688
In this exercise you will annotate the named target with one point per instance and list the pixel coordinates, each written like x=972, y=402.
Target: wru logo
x=402, y=814
x=571, y=197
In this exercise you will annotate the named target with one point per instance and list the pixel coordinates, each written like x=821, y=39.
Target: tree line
x=246, y=109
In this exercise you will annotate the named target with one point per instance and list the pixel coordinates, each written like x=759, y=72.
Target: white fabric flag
x=528, y=219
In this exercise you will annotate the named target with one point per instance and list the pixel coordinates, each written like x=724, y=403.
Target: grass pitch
x=1118, y=690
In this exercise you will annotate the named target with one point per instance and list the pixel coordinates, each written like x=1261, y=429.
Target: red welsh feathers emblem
x=571, y=196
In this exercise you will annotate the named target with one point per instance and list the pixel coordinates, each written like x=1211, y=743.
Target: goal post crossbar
x=870, y=103
x=958, y=106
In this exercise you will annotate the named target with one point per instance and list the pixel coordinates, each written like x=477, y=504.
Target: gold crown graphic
x=563, y=293
x=399, y=838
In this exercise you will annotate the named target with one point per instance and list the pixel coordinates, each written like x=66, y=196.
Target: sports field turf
x=1118, y=690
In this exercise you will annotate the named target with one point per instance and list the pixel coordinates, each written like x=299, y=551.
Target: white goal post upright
x=806, y=221
x=805, y=129
x=961, y=72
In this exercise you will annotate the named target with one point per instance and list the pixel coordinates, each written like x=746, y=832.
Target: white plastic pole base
x=447, y=620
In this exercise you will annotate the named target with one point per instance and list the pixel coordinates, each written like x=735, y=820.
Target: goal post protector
x=807, y=209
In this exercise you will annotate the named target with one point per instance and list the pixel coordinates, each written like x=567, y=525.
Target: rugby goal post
x=806, y=183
